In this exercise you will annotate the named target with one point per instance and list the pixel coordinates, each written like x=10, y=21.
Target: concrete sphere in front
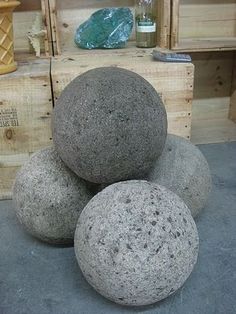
x=136, y=242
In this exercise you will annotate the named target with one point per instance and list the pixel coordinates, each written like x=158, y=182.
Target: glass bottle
x=146, y=23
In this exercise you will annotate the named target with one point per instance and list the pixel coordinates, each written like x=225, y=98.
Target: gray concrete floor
x=36, y=278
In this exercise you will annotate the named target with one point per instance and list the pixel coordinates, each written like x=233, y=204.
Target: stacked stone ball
x=183, y=169
x=109, y=124
x=135, y=241
x=49, y=197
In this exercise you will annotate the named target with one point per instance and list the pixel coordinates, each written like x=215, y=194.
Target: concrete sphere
x=109, y=124
x=136, y=242
x=49, y=197
x=183, y=169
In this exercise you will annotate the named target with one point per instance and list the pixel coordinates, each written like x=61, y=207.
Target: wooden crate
x=25, y=111
x=210, y=110
x=24, y=18
x=173, y=81
x=203, y=25
x=67, y=15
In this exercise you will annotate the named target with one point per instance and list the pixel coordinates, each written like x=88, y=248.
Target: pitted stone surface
x=109, y=124
x=136, y=242
x=49, y=197
x=183, y=169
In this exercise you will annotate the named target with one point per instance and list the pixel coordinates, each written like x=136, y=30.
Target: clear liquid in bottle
x=146, y=23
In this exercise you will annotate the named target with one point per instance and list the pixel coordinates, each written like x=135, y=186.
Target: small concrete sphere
x=136, y=242
x=183, y=169
x=109, y=124
x=49, y=197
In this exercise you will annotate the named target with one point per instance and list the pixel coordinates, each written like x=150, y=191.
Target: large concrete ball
x=49, y=197
x=109, y=124
x=136, y=242
x=183, y=169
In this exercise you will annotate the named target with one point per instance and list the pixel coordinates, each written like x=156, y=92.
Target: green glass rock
x=106, y=28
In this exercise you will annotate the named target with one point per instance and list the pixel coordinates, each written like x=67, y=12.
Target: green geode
x=106, y=28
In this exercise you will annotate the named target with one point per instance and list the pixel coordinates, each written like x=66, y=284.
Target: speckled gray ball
x=49, y=197
x=183, y=169
x=109, y=124
x=136, y=242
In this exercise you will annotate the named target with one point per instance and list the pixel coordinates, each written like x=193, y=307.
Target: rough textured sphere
x=184, y=170
x=49, y=197
x=136, y=242
x=109, y=124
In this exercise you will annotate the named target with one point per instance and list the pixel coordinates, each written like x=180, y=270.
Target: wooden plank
x=25, y=112
x=54, y=27
x=174, y=24
x=173, y=81
x=206, y=44
x=163, y=23
x=232, y=109
x=47, y=25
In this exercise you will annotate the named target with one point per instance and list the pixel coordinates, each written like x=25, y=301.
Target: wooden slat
x=173, y=81
x=163, y=23
x=47, y=23
x=174, y=24
x=232, y=109
x=206, y=44
x=54, y=27
x=25, y=117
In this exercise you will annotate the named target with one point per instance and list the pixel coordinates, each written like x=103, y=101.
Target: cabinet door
x=203, y=25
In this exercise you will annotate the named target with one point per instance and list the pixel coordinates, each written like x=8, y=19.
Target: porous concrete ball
x=183, y=169
x=49, y=197
x=136, y=242
x=109, y=124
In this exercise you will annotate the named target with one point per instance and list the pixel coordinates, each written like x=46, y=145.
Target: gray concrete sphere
x=136, y=242
x=109, y=124
x=183, y=169
x=49, y=197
